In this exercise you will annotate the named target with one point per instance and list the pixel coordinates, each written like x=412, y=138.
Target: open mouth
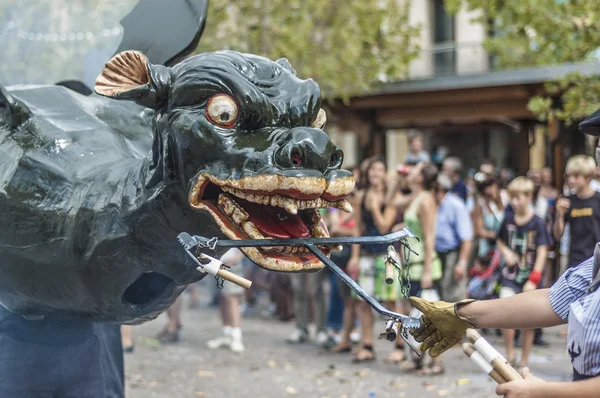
x=273, y=207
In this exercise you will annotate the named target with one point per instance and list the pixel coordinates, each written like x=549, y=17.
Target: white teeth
x=289, y=205
x=316, y=218
x=319, y=232
x=250, y=229
x=344, y=206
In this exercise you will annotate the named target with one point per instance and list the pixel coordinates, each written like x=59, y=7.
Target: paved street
x=272, y=368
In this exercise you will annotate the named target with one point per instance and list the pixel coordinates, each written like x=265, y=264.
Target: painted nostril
x=296, y=158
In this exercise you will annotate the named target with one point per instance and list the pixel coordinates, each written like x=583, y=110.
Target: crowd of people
x=482, y=234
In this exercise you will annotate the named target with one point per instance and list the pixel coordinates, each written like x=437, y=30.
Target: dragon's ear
x=130, y=76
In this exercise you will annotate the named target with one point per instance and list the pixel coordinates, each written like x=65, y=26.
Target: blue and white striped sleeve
x=571, y=286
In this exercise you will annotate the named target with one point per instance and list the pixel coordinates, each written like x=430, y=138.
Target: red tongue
x=275, y=221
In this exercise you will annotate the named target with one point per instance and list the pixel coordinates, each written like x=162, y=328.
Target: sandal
x=411, y=365
x=339, y=349
x=432, y=370
x=397, y=356
x=369, y=357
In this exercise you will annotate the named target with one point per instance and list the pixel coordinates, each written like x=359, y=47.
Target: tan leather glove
x=441, y=326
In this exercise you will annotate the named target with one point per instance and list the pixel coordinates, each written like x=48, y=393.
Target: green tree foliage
x=345, y=45
x=545, y=32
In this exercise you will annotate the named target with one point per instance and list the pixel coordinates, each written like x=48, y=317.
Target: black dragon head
x=243, y=136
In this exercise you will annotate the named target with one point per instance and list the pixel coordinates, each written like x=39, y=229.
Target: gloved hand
x=441, y=326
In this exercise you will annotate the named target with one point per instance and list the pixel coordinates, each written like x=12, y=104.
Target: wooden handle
x=507, y=371
x=469, y=350
x=389, y=272
x=494, y=374
x=233, y=278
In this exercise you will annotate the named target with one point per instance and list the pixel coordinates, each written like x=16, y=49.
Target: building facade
x=458, y=100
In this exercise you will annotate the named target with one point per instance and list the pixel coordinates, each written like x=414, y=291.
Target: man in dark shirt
x=452, y=166
x=581, y=210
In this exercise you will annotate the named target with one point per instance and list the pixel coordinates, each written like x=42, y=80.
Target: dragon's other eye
x=222, y=110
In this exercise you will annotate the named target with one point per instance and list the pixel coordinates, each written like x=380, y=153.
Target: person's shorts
x=506, y=291
x=371, y=277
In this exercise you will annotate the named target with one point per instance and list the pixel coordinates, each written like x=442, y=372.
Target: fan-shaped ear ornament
x=130, y=76
x=320, y=120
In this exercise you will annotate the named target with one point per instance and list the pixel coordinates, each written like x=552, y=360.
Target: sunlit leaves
x=345, y=45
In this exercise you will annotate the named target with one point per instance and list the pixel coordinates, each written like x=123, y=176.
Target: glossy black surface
x=591, y=125
x=93, y=191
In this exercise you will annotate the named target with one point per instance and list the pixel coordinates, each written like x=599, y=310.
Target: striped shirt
x=573, y=303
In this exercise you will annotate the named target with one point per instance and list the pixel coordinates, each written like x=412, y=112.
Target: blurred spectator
x=488, y=212
x=581, y=210
x=229, y=306
x=282, y=295
x=547, y=189
x=170, y=334
x=425, y=266
x=452, y=167
x=453, y=240
x=367, y=262
x=522, y=241
x=416, y=153
x=343, y=224
x=127, y=338
x=540, y=203
x=488, y=167
x=308, y=287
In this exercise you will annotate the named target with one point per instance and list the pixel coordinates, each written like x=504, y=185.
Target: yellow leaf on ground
x=291, y=390
x=206, y=373
x=463, y=382
x=271, y=363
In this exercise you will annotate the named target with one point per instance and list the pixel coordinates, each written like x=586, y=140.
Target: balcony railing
x=450, y=58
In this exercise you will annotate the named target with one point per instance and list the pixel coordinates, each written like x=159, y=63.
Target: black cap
x=591, y=125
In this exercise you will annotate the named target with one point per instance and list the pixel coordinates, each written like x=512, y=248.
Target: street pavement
x=272, y=368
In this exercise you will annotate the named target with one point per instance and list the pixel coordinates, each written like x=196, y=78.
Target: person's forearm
x=559, y=227
x=580, y=389
x=525, y=310
x=465, y=251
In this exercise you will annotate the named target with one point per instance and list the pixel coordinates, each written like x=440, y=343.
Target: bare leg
x=366, y=322
x=174, y=313
x=527, y=343
x=509, y=342
x=194, y=298
x=347, y=326
x=231, y=311
x=126, y=336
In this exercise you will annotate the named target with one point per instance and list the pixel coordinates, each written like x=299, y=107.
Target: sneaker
x=219, y=342
x=237, y=346
x=355, y=337
x=321, y=338
x=299, y=336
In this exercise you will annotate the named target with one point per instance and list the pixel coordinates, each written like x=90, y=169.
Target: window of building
x=444, y=53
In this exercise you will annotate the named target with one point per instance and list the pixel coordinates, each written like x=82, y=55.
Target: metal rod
x=375, y=240
x=408, y=322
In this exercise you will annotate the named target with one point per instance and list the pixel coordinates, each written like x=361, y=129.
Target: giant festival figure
x=95, y=189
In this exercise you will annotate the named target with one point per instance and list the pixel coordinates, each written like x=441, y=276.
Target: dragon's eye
x=222, y=110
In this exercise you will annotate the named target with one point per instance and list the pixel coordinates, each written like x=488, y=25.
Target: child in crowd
x=581, y=210
x=522, y=241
